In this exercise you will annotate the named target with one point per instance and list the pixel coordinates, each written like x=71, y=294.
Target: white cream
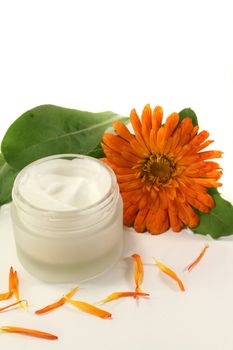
x=63, y=184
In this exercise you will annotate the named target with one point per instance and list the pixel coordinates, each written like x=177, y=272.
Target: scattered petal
x=58, y=303
x=170, y=273
x=7, y=295
x=196, y=261
x=89, y=308
x=16, y=303
x=28, y=331
x=15, y=287
x=138, y=272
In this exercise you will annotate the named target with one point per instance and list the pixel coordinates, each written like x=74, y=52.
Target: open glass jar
x=67, y=218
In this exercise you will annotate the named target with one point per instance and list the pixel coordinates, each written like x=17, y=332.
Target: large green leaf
x=7, y=177
x=188, y=112
x=46, y=130
x=219, y=222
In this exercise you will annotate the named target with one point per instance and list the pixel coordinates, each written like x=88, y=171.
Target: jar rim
x=17, y=198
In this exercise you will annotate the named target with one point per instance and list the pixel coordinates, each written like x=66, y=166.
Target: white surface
x=116, y=55
x=199, y=318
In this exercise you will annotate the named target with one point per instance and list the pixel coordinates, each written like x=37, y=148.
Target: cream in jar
x=67, y=218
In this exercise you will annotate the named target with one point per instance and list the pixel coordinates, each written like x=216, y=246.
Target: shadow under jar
x=67, y=218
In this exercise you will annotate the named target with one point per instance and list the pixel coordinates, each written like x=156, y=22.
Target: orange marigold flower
x=161, y=171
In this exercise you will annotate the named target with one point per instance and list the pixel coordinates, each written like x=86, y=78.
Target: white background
x=117, y=55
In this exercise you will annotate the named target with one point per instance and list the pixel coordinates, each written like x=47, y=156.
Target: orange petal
x=168, y=145
x=15, y=287
x=202, y=169
x=140, y=221
x=170, y=273
x=89, y=308
x=27, y=331
x=138, y=272
x=4, y=296
x=171, y=193
x=154, y=196
x=160, y=139
x=175, y=139
x=132, y=196
x=194, y=131
x=185, y=190
x=184, y=150
x=157, y=118
x=118, y=295
x=130, y=156
x=214, y=174
x=203, y=145
x=189, y=159
x=171, y=124
x=186, y=127
x=187, y=183
x=11, y=279
x=118, y=161
x=58, y=303
x=192, y=217
x=126, y=205
x=196, y=261
x=131, y=185
x=125, y=178
x=181, y=212
x=114, y=142
x=16, y=303
x=130, y=214
x=109, y=163
x=208, y=182
x=163, y=199
x=137, y=126
x=175, y=222
x=7, y=295
x=140, y=150
x=122, y=131
x=157, y=221
x=135, y=121
x=125, y=171
x=206, y=199
x=143, y=201
x=146, y=124
x=197, y=204
x=199, y=138
x=210, y=154
x=153, y=141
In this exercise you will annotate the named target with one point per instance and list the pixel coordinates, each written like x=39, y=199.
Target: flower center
x=158, y=168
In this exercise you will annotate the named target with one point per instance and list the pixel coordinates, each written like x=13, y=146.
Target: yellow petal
x=170, y=273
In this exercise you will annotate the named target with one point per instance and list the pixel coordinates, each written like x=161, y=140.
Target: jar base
x=67, y=274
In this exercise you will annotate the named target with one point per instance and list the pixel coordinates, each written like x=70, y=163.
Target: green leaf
x=188, y=112
x=219, y=222
x=46, y=130
x=2, y=161
x=7, y=177
x=97, y=152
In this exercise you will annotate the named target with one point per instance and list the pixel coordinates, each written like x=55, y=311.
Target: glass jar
x=68, y=244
